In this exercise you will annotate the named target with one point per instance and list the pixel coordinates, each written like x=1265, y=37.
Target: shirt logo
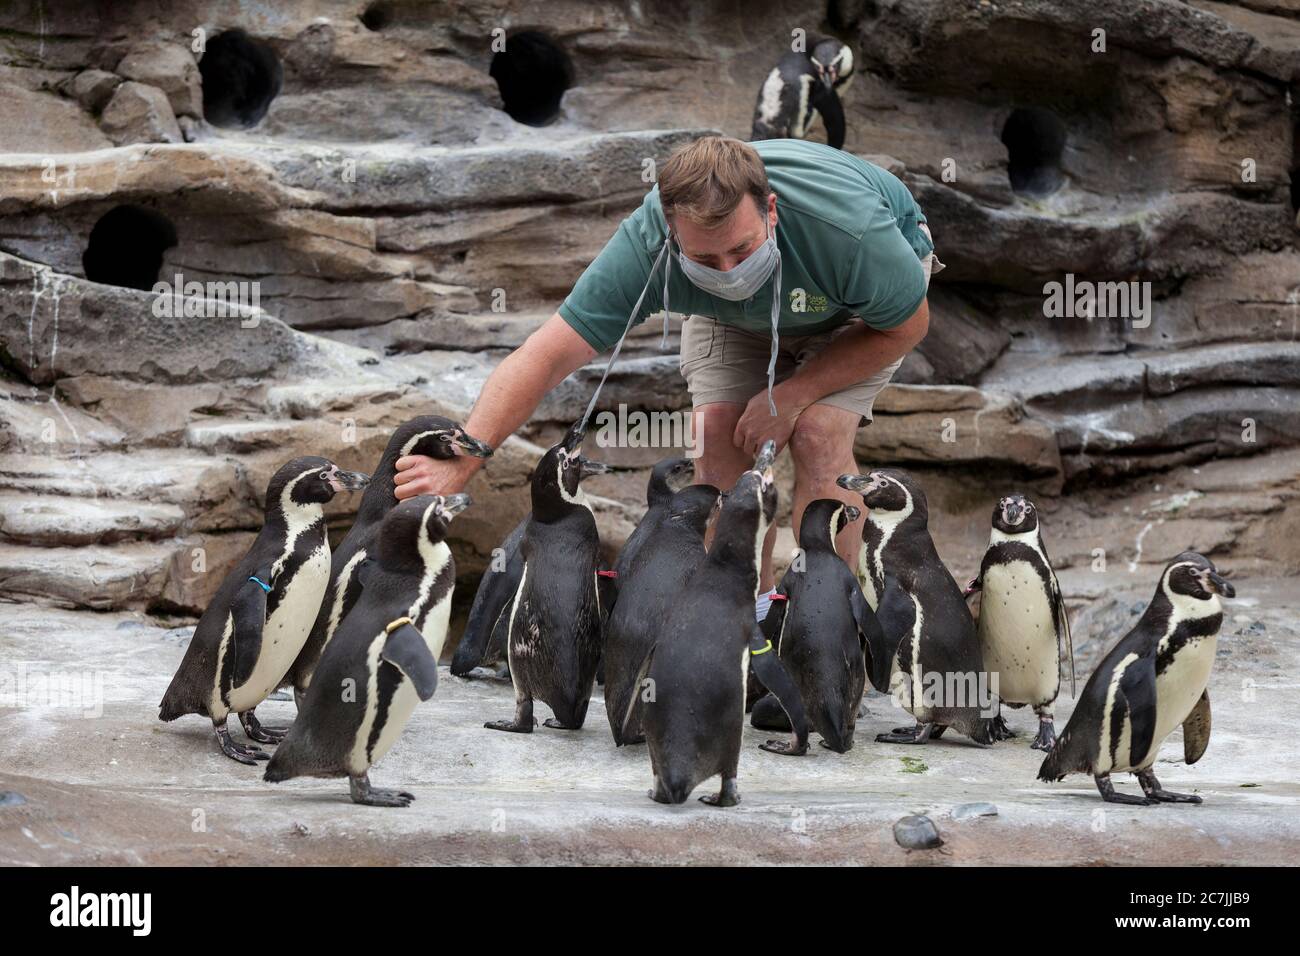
x=803, y=301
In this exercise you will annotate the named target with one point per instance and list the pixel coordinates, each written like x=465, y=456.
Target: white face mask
x=742, y=280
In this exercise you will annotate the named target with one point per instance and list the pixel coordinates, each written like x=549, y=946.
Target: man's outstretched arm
x=509, y=396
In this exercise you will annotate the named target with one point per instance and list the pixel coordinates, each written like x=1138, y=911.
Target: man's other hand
x=757, y=425
x=421, y=475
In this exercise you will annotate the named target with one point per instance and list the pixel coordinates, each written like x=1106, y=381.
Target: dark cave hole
x=126, y=247
x=1295, y=190
x=241, y=76
x=377, y=16
x=1035, y=142
x=532, y=73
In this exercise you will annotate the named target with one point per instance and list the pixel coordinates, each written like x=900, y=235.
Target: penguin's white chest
x=1180, y=686
x=1017, y=632
x=404, y=700
x=286, y=630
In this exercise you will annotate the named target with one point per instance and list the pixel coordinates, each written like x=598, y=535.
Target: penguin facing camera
x=257, y=622
x=553, y=631
x=800, y=85
x=1152, y=681
x=430, y=435
x=384, y=658
x=933, y=651
x=1023, y=622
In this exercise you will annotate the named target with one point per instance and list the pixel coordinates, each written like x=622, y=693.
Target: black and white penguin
x=430, y=435
x=669, y=547
x=824, y=631
x=384, y=658
x=690, y=690
x=937, y=671
x=801, y=84
x=256, y=623
x=1152, y=681
x=1022, y=621
x=554, y=629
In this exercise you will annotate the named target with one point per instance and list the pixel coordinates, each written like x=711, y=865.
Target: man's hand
x=756, y=424
x=421, y=475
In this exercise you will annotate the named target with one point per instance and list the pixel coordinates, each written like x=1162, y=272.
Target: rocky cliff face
x=411, y=205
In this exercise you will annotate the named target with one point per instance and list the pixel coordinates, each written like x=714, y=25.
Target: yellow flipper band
x=763, y=651
x=394, y=625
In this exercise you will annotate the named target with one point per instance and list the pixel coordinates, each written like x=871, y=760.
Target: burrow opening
x=241, y=76
x=126, y=247
x=1035, y=142
x=377, y=16
x=532, y=73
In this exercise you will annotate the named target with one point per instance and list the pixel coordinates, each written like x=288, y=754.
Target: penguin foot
x=249, y=755
x=999, y=730
x=728, y=796
x=1110, y=795
x=786, y=748
x=255, y=730
x=906, y=735
x=365, y=794
x=555, y=724
x=1046, y=738
x=628, y=741
x=1158, y=794
x=509, y=726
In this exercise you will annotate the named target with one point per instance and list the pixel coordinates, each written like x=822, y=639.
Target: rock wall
x=365, y=165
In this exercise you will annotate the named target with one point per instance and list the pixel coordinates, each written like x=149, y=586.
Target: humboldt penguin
x=824, y=631
x=936, y=668
x=1023, y=622
x=430, y=435
x=801, y=84
x=553, y=631
x=384, y=658
x=1151, y=682
x=669, y=547
x=690, y=689
x=256, y=623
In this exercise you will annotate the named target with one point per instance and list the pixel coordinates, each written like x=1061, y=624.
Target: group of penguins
x=671, y=629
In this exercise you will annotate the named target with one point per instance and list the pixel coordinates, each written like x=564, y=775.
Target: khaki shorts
x=722, y=363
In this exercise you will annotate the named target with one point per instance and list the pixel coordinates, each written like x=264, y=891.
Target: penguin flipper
x=248, y=618
x=1137, y=691
x=769, y=669
x=872, y=638
x=496, y=590
x=832, y=113
x=406, y=650
x=1063, y=634
x=1196, y=729
x=635, y=698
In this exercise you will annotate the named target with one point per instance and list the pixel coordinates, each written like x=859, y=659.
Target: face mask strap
x=663, y=345
x=663, y=253
x=776, y=318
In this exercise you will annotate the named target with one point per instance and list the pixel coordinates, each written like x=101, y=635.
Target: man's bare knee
x=720, y=462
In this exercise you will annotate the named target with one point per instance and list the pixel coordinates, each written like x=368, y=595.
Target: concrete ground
x=94, y=778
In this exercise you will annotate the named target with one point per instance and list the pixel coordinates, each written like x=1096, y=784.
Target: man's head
x=717, y=201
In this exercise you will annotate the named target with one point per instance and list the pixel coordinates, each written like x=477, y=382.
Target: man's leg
x=822, y=447
x=721, y=464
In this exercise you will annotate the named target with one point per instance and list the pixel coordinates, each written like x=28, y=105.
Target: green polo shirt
x=850, y=246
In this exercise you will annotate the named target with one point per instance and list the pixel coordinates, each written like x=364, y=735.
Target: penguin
x=553, y=631
x=800, y=84
x=384, y=658
x=824, y=631
x=669, y=546
x=936, y=668
x=1152, y=681
x=256, y=623
x=1023, y=622
x=690, y=689
x=667, y=478
x=430, y=435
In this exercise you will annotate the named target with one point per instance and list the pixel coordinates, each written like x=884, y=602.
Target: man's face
x=731, y=243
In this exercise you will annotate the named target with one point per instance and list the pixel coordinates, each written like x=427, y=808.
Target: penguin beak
x=1219, y=584
x=1013, y=512
x=766, y=455
x=573, y=437
x=453, y=505
x=590, y=468
x=852, y=513
x=348, y=480
x=463, y=444
x=855, y=483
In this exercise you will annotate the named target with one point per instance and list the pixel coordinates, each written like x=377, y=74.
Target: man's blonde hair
x=706, y=180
